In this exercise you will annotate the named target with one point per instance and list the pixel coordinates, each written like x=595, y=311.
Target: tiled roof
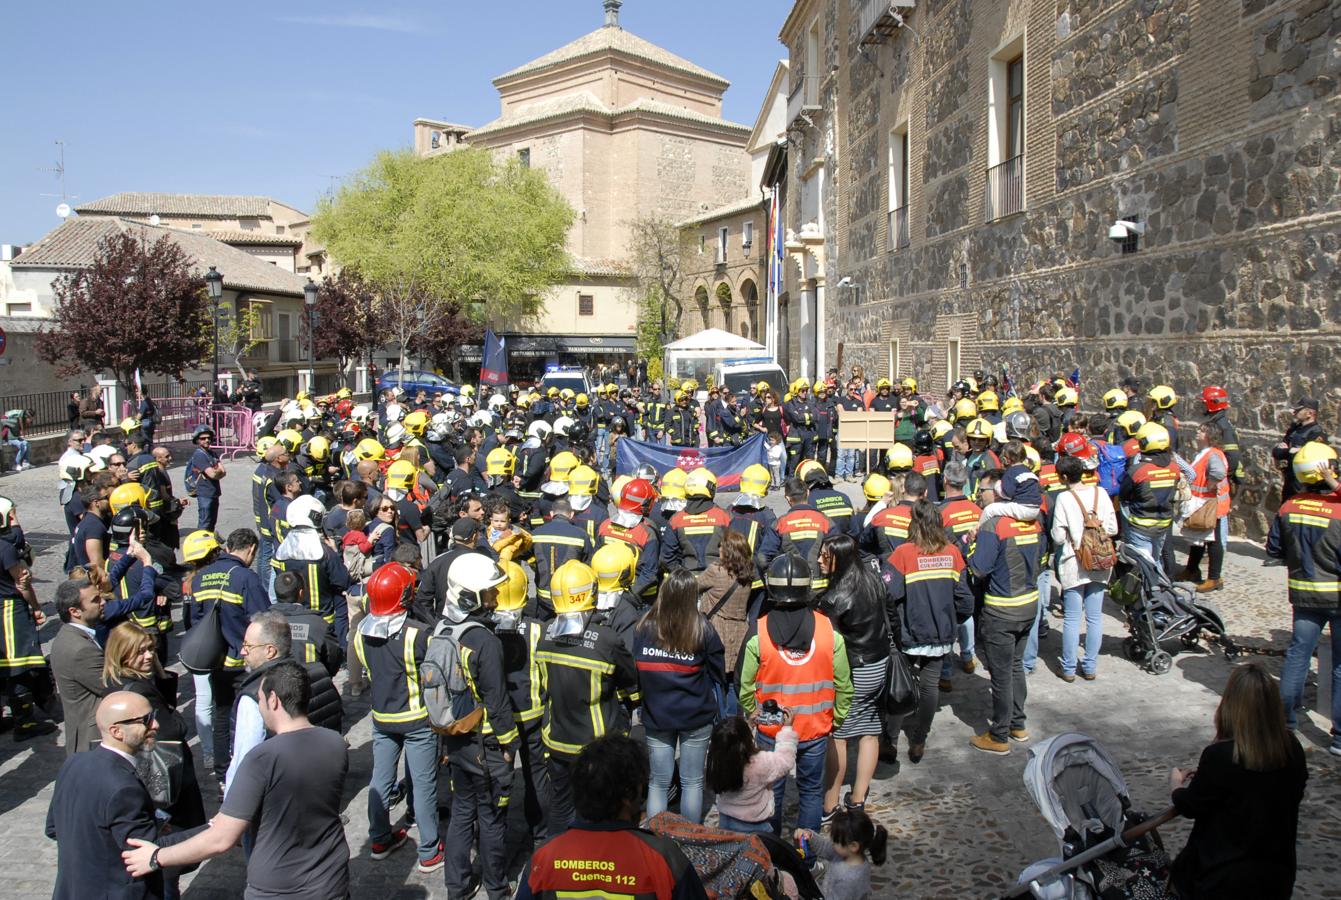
x=254, y=237
x=74, y=245
x=600, y=268
x=148, y=203
x=617, y=40
x=586, y=102
x=743, y=205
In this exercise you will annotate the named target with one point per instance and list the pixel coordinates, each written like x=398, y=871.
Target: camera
x=1123, y=229
x=770, y=713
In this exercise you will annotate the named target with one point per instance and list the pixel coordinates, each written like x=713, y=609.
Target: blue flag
x=1075, y=378
x=494, y=368
x=727, y=463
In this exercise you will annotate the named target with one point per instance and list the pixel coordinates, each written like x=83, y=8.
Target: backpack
x=1112, y=463
x=1095, y=552
x=452, y=708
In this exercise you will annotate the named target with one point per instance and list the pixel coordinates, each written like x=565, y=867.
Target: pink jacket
x=754, y=801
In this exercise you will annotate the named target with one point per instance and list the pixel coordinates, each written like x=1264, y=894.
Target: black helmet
x=578, y=432
x=961, y=386
x=923, y=442
x=202, y=429
x=127, y=522
x=1018, y=425
x=788, y=581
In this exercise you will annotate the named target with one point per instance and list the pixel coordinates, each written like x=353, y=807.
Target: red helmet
x=1073, y=444
x=1215, y=398
x=638, y=496
x=389, y=590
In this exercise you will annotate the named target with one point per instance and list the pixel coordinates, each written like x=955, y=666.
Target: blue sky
x=276, y=98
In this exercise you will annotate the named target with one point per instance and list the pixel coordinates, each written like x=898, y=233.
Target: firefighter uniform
x=326, y=579
x=526, y=691
x=682, y=426
x=800, y=418
x=888, y=529
x=647, y=545
x=694, y=540
x=554, y=543
x=801, y=529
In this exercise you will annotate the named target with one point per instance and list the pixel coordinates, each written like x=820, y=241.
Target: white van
x=739, y=375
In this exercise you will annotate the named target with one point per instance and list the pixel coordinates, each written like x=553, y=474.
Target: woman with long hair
x=130, y=664
x=681, y=668
x=928, y=595
x=770, y=417
x=1243, y=797
x=726, y=598
x=855, y=604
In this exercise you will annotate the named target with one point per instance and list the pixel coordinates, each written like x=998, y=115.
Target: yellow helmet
x=989, y=402
x=964, y=410
x=344, y=394
x=582, y=481
x=264, y=443
x=883, y=383
x=400, y=475
x=980, y=429
x=613, y=564
x=1115, y=399
x=132, y=494
x=369, y=449
x=552, y=393
x=583, y=400
x=416, y=423
x=1162, y=396
x=567, y=394
x=572, y=587
x=808, y=467
x=500, y=462
x=291, y=439
x=875, y=486
x=1131, y=422
x=199, y=544
x=1033, y=460
x=1312, y=460
x=130, y=424
x=303, y=395
x=700, y=483
x=691, y=385
x=899, y=458
x=1066, y=397
x=319, y=448
x=940, y=428
x=672, y=484
x=523, y=401
x=681, y=394
x=1153, y=437
x=617, y=487
x=762, y=386
x=754, y=481
x=562, y=466
x=468, y=389
x=512, y=592
x=910, y=384
x=1012, y=404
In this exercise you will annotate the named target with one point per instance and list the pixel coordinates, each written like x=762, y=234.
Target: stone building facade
x=978, y=158
x=725, y=268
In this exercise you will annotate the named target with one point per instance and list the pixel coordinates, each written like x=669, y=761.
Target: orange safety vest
x=801, y=682
x=1200, y=488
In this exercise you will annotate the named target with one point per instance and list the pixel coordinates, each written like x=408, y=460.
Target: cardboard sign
x=860, y=429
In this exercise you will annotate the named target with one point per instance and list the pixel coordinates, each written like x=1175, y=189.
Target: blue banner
x=727, y=463
x=494, y=368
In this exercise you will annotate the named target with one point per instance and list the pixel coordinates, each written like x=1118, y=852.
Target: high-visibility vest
x=802, y=682
x=1200, y=488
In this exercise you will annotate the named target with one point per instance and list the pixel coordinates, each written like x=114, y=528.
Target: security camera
x=845, y=281
x=1125, y=228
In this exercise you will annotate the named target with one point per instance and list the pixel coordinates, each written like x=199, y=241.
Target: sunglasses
x=146, y=720
x=386, y=509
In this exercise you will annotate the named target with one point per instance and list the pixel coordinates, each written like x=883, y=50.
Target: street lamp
x=214, y=287
x=310, y=298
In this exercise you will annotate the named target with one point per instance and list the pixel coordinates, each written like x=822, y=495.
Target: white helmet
x=449, y=399
x=305, y=512
x=497, y=402
x=6, y=508
x=360, y=413
x=539, y=429
x=394, y=413
x=562, y=425
x=481, y=419
x=438, y=433
x=441, y=418
x=313, y=413
x=258, y=421
x=100, y=455
x=395, y=434
x=80, y=465
x=465, y=400
x=468, y=577
x=292, y=413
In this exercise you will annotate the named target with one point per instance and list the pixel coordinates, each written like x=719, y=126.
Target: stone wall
x=1237, y=280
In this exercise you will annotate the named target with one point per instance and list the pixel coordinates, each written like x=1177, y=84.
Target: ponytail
x=878, y=845
x=854, y=826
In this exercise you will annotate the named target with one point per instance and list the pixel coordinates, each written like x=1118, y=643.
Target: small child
x=777, y=455
x=356, y=547
x=742, y=776
x=852, y=838
x=1020, y=488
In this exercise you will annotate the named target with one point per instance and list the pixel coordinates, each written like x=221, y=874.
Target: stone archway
x=749, y=299
x=723, y=296
x=701, y=303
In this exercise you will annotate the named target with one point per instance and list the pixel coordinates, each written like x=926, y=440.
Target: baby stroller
x=1108, y=850
x=1158, y=611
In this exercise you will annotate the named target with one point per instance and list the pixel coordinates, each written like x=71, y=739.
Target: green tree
x=657, y=251
x=461, y=231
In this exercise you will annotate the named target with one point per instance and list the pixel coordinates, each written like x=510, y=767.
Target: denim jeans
x=1308, y=625
x=740, y=826
x=1087, y=598
x=1151, y=544
x=847, y=464
x=21, y=446
x=1044, y=596
x=421, y=764
x=965, y=636
x=1003, y=647
x=207, y=512
x=810, y=757
x=602, y=450
x=693, y=760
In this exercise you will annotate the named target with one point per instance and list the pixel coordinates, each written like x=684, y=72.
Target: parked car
x=417, y=380
x=739, y=375
x=572, y=377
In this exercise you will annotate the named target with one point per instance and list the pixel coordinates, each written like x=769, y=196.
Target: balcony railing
x=898, y=228
x=1005, y=188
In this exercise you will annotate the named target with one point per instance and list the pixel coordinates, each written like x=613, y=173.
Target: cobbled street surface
x=961, y=822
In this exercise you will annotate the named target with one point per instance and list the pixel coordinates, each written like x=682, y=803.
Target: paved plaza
x=961, y=822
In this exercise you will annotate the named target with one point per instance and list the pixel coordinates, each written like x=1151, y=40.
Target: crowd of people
x=511, y=609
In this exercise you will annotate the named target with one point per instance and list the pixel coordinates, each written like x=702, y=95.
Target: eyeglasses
x=386, y=509
x=247, y=648
x=146, y=720
x=116, y=462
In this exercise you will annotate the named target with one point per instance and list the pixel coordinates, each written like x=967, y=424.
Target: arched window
x=724, y=302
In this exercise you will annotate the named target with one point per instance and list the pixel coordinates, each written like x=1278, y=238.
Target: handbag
x=204, y=646
x=1204, y=517
x=902, y=689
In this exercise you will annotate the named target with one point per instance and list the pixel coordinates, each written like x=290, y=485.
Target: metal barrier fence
x=234, y=426
x=50, y=410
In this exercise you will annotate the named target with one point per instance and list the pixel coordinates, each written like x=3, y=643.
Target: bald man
x=99, y=805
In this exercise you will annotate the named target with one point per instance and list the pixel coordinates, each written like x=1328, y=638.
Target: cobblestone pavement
x=961, y=822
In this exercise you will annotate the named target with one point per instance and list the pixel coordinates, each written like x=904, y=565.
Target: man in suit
x=76, y=661
x=99, y=805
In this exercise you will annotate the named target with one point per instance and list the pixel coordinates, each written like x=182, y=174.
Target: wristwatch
x=153, y=861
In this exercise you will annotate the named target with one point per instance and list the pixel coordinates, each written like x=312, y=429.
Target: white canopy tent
x=697, y=355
